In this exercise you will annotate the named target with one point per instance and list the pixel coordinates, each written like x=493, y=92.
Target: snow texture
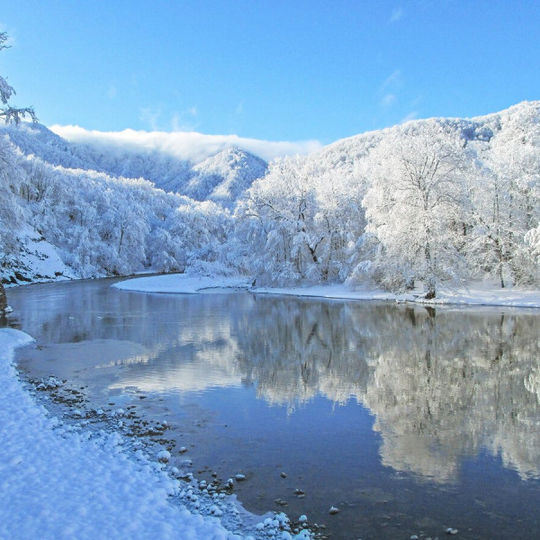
x=61, y=480
x=57, y=482
x=442, y=202
x=180, y=283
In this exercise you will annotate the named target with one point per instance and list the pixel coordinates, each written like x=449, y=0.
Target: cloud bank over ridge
x=188, y=145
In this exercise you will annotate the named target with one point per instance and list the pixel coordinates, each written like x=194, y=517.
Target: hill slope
x=447, y=198
x=222, y=176
x=427, y=201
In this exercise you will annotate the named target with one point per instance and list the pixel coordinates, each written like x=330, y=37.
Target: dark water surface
x=408, y=419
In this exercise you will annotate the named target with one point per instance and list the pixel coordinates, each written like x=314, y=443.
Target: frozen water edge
x=58, y=480
x=479, y=294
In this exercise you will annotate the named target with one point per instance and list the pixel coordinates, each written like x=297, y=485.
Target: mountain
x=117, y=203
x=519, y=120
x=222, y=177
x=380, y=204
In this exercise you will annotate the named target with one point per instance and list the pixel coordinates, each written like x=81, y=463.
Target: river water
x=408, y=419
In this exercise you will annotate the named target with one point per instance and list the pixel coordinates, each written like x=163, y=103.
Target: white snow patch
x=486, y=294
x=334, y=291
x=181, y=284
x=163, y=456
x=481, y=293
x=59, y=483
x=476, y=294
x=37, y=259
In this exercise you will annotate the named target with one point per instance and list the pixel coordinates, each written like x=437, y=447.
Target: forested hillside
x=220, y=175
x=430, y=201
x=84, y=223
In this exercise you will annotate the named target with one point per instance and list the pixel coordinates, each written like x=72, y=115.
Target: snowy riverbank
x=62, y=481
x=56, y=482
x=476, y=294
x=180, y=284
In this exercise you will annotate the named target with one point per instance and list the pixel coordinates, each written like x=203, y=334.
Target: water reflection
x=454, y=383
x=442, y=384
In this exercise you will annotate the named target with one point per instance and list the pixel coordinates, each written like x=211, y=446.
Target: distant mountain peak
x=222, y=177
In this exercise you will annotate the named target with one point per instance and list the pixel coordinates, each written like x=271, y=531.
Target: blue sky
x=276, y=70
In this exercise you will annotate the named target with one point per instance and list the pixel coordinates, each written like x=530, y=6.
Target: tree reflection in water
x=441, y=383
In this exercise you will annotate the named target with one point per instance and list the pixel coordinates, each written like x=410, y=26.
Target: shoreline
x=153, y=451
x=62, y=477
x=476, y=294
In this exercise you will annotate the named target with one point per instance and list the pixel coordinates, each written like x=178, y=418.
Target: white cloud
x=183, y=144
x=413, y=115
x=150, y=116
x=185, y=120
x=392, y=81
x=176, y=122
x=390, y=89
x=157, y=120
x=387, y=100
x=396, y=15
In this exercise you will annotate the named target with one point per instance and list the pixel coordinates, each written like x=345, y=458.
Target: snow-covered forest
x=430, y=201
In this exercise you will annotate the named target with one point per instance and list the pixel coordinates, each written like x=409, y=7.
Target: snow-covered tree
x=414, y=206
x=276, y=219
x=8, y=112
x=10, y=171
x=505, y=205
x=427, y=201
x=302, y=222
x=12, y=176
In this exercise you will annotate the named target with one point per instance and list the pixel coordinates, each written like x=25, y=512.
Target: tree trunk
x=121, y=238
x=431, y=291
x=430, y=281
x=3, y=299
x=501, y=275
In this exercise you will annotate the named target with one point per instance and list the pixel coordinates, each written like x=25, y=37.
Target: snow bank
x=486, y=295
x=36, y=260
x=180, y=284
x=57, y=482
x=338, y=292
x=477, y=294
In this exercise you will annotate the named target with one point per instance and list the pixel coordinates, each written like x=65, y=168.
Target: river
x=408, y=419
